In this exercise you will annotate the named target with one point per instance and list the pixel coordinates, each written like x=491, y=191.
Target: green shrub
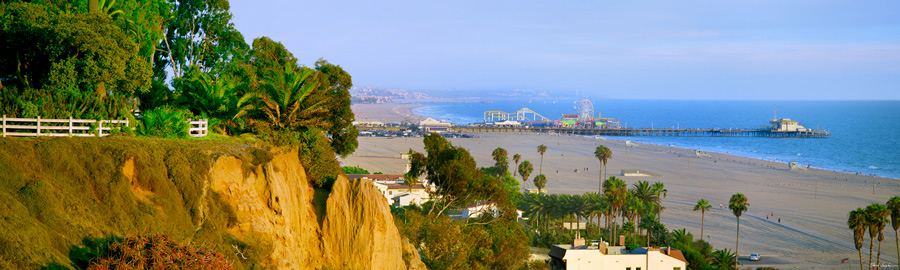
x=354, y=170
x=164, y=122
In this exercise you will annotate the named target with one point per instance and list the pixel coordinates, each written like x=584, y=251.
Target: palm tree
x=500, y=160
x=660, y=189
x=738, y=205
x=893, y=205
x=617, y=195
x=876, y=215
x=516, y=158
x=722, y=259
x=525, y=170
x=644, y=192
x=596, y=205
x=858, y=224
x=603, y=154
x=541, y=149
x=282, y=100
x=702, y=205
x=540, y=181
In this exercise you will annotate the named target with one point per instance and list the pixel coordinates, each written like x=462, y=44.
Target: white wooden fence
x=32, y=127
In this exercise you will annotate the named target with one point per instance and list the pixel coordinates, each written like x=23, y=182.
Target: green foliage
x=80, y=59
x=336, y=85
x=458, y=182
x=200, y=34
x=448, y=244
x=354, y=170
x=540, y=181
x=525, y=169
x=165, y=123
x=317, y=157
x=723, y=259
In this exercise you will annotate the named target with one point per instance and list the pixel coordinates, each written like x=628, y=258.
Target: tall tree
x=541, y=149
x=858, y=223
x=603, y=154
x=500, y=160
x=540, y=181
x=876, y=215
x=336, y=83
x=738, y=205
x=199, y=33
x=525, y=170
x=616, y=192
x=457, y=180
x=703, y=206
x=893, y=205
x=660, y=189
x=516, y=158
x=416, y=169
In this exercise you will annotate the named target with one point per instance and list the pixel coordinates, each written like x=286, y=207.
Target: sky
x=682, y=50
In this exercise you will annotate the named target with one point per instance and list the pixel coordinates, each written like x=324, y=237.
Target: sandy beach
x=812, y=205
x=386, y=112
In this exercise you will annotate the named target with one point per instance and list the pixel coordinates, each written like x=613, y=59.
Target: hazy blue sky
x=608, y=49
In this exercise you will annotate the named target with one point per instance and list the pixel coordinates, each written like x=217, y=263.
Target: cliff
x=253, y=205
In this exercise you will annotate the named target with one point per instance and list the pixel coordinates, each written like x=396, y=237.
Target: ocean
x=865, y=135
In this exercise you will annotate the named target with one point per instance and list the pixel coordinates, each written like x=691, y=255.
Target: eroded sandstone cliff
x=275, y=202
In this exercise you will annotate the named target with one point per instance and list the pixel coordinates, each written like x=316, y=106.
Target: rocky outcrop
x=274, y=202
x=359, y=233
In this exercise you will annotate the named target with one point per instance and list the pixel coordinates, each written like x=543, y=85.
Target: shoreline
x=398, y=112
x=815, y=200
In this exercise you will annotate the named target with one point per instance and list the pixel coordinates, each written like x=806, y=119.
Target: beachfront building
x=368, y=123
x=786, y=124
x=602, y=256
x=431, y=125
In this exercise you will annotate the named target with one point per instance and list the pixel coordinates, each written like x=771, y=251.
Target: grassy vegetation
x=59, y=193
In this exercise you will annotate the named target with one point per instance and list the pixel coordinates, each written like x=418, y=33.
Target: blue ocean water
x=865, y=134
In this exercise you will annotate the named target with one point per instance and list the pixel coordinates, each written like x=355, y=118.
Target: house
x=602, y=256
x=431, y=125
x=407, y=199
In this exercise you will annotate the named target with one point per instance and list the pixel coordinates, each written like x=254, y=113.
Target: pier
x=659, y=132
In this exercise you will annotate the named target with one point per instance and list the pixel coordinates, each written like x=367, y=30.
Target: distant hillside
x=368, y=95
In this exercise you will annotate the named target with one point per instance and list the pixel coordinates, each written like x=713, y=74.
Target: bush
x=157, y=252
x=354, y=170
x=164, y=122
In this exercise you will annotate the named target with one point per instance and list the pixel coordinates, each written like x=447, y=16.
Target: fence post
x=4, y=126
x=100, y=128
x=39, y=126
x=70, y=126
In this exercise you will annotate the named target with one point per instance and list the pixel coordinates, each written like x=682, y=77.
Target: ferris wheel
x=585, y=109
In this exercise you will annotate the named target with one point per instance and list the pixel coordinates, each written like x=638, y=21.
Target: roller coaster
x=524, y=114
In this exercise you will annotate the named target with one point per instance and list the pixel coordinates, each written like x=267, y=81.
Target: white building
x=786, y=124
x=431, y=125
x=581, y=257
x=407, y=199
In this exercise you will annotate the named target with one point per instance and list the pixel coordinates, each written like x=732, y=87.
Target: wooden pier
x=659, y=132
